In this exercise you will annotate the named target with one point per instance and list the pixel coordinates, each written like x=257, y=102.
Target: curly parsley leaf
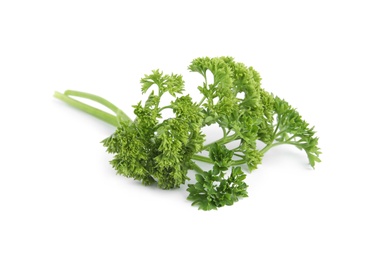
x=214, y=190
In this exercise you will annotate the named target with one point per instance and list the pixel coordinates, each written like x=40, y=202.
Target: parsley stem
x=238, y=162
x=223, y=140
x=201, y=102
x=202, y=158
x=269, y=146
x=165, y=107
x=100, y=100
x=277, y=126
x=239, y=155
x=266, y=148
x=104, y=116
x=196, y=168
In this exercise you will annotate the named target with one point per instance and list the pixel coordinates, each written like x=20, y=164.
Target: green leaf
x=213, y=192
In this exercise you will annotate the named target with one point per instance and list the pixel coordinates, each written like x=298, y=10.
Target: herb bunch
x=153, y=149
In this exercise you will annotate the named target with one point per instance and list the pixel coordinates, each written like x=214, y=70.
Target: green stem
x=165, y=107
x=238, y=162
x=104, y=116
x=208, y=160
x=269, y=146
x=101, y=101
x=277, y=126
x=202, y=158
x=223, y=140
x=276, y=135
x=196, y=168
x=201, y=102
x=239, y=155
x=266, y=148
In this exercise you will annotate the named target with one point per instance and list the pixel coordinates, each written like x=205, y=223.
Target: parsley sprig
x=153, y=149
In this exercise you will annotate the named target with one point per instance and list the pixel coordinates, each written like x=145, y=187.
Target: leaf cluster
x=153, y=150
x=292, y=129
x=235, y=101
x=213, y=188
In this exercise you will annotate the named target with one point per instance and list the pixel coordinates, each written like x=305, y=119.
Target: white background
x=60, y=198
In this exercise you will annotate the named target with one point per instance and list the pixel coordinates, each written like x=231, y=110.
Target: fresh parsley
x=153, y=149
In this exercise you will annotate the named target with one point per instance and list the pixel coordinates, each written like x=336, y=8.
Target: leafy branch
x=152, y=149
